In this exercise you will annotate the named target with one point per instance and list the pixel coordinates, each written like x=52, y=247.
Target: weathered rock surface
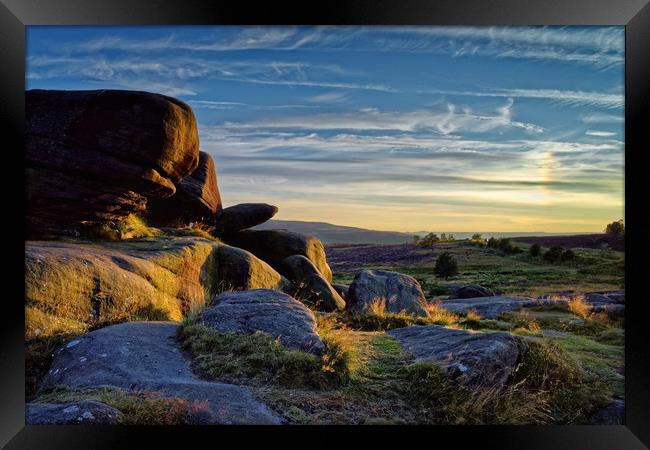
x=268, y=311
x=475, y=359
x=241, y=270
x=81, y=284
x=197, y=198
x=94, y=156
x=311, y=285
x=491, y=307
x=612, y=414
x=274, y=245
x=397, y=292
x=83, y=412
x=145, y=357
x=472, y=291
x=243, y=216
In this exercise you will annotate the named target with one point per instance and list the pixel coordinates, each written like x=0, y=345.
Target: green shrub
x=553, y=254
x=535, y=250
x=567, y=255
x=446, y=266
x=493, y=242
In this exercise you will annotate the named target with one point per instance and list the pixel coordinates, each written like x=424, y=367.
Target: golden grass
x=440, y=316
x=578, y=306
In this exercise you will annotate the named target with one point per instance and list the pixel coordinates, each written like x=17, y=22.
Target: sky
x=390, y=128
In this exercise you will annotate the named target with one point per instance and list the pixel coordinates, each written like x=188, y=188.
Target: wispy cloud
x=598, y=133
x=600, y=46
x=444, y=122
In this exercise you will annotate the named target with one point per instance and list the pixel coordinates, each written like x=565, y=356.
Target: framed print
x=377, y=218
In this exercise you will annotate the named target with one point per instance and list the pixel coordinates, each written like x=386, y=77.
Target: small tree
x=535, y=250
x=429, y=240
x=616, y=228
x=416, y=239
x=446, y=266
x=554, y=253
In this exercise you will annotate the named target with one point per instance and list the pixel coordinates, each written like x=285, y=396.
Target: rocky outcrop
x=273, y=246
x=268, y=311
x=243, y=216
x=95, y=156
x=310, y=285
x=395, y=291
x=197, y=198
x=145, y=357
x=472, y=291
x=83, y=412
x=474, y=359
x=76, y=285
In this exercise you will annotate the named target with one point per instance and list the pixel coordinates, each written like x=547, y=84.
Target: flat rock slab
x=145, y=356
x=271, y=312
x=89, y=411
x=474, y=359
x=491, y=307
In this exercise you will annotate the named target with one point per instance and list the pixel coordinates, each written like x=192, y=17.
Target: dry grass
x=378, y=307
x=440, y=316
x=578, y=306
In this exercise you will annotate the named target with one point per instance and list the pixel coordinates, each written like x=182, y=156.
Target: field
x=521, y=274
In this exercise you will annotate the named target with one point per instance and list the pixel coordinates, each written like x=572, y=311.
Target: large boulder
x=95, y=156
x=396, y=293
x=268, y=311
x=245, y=215
x=310, y=285
x=197, y=198
x=83, y=412
x=472, y=291
x=474, y=359
x=145, y=357
x=238, y=269
x=273, y=246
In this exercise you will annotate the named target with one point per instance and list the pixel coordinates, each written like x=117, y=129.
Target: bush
x=493, y=242
x=553, y=254
x=616, y=228
x=535, y=250
x=567, y=255
x=446, y=266
x=428, y=240
x=477, y=239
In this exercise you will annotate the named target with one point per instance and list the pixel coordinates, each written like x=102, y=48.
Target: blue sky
x=392, y=128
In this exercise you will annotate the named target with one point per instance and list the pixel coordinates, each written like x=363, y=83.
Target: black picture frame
x=633, y=14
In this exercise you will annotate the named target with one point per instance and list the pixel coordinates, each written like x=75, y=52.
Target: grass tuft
x=138, y=408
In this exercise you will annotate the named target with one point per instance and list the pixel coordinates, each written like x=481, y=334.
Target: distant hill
x=338, y=234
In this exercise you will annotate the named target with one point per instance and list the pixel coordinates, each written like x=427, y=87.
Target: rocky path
x=145, y=356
